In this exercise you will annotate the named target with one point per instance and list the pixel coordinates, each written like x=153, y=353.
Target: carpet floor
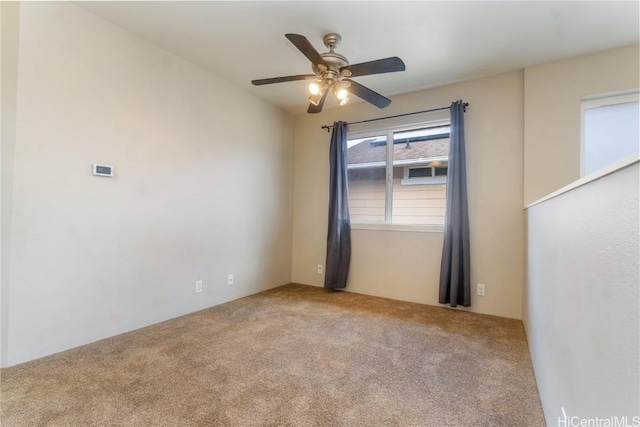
x=291, y=356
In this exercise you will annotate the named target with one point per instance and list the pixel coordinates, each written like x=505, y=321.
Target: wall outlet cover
x=480, y=289
x=199, y=286
x=102, y=170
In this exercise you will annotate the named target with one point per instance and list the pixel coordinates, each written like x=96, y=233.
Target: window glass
x=610, y=133
x=440, y=171
x=424, y=202
x=366, y=170
x=419, y=172
x=416, y=165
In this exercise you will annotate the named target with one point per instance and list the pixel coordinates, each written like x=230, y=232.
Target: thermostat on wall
x=102, y=170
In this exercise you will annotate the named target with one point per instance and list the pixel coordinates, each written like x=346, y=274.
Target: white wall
x=583, y=299
x=203, y=186
x=406, y=265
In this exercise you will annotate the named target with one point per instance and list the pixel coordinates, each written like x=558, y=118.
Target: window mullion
x=389, y=179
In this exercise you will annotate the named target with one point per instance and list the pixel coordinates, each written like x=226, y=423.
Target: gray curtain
x=339, y=232
x=455, y=278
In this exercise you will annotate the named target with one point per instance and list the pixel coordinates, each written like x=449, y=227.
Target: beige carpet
x=292, y=356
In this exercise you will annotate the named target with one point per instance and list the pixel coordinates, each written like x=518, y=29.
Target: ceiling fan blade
x=317, y=108
x=306, y=48
x=283, y=79
x=386, y=65
x=368, y=95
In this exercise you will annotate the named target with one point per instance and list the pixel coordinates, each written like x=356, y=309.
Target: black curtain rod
x=464, y=106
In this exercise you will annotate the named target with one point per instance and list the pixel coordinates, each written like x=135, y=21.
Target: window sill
x=399, y=227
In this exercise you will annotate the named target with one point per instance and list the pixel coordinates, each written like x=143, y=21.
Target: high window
x=609, y=130
x=398, y=176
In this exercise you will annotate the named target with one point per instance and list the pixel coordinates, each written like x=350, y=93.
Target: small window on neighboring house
x=424, y=175
x=398, y=176
x=440, y=171
x=609, y=130
x=418, y=172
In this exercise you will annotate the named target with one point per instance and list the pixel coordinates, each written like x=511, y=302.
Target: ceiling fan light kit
x=315, y=98
x=332, y=72
x=315, y=88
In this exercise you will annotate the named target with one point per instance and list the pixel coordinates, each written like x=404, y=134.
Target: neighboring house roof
x=366, y=152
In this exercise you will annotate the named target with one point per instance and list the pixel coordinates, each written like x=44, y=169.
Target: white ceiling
x=440, y=42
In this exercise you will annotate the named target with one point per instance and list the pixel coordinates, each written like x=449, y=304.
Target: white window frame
x=602, y=100
x=389, y=131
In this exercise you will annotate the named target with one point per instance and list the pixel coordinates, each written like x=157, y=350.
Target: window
x=609, y=130
x=424, y=175
x=398, y=176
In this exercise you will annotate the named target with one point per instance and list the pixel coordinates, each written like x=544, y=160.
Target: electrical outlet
x=480, y=289
x=319, y=268
x=198, y=285
x=230, y=279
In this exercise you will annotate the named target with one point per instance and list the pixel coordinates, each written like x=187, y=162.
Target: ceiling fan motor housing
x=334, y=60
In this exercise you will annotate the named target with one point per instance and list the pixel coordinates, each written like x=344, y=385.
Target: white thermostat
x=102, y=170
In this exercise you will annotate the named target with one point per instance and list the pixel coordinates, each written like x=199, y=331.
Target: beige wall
x=553, y=93
x=9, y=18
x=406, y=265
x=92, y=257
x=583, y=299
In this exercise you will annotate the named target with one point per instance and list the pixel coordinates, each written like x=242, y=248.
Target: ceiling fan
x=332, y=72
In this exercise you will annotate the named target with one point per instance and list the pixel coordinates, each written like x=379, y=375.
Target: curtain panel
x=339, y=229
x=455, y=276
